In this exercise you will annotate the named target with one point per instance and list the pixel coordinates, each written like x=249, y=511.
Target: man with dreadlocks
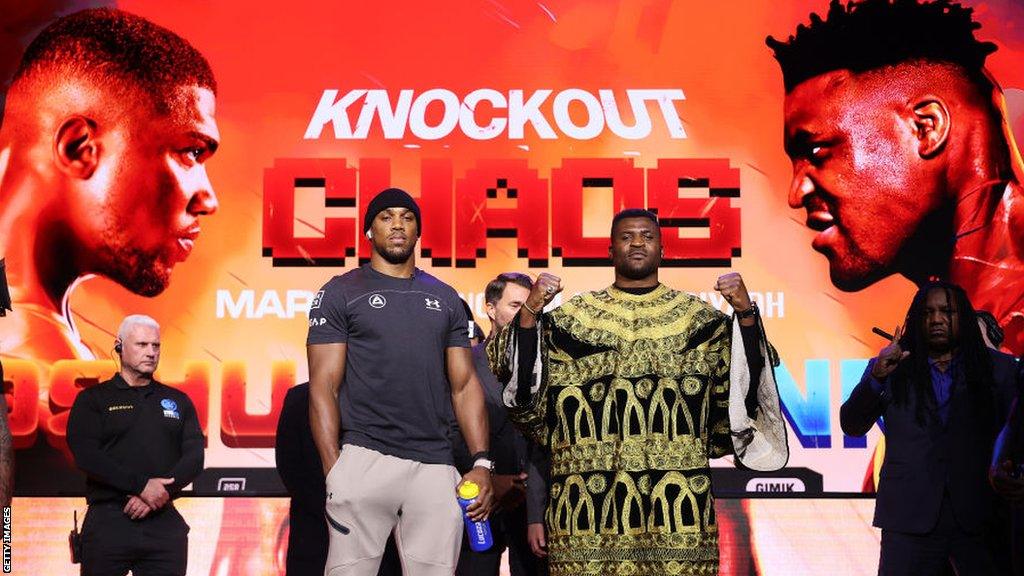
x=902, y=156
x=943, y=396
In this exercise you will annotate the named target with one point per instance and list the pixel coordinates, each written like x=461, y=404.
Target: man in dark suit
x=943, y=395
x=298, y=464
x=508, y=447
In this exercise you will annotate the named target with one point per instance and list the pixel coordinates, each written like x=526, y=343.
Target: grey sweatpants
x=371, y=495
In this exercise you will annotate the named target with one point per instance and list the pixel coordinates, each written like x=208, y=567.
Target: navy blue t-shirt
x=395, y=396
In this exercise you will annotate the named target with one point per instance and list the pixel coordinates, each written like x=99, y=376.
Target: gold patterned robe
x=631, y=394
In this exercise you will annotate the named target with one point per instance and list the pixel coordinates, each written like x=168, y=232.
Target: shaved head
x=115, y=49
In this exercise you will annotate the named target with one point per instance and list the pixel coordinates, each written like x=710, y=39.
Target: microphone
x=882, y=333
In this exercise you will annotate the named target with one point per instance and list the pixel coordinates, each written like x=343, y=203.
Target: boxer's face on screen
x=140, y=209
x=857, y=173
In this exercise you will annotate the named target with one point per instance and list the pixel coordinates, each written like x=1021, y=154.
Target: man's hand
x=890, y=356
x=136, y=508
x=509, y=490
x=480, y=509
x=1006, y=481
x=537, y=539
x=735, y=291
x=155, y=494
x=543, y=292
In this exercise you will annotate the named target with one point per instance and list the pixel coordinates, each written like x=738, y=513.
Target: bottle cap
x=468, y=490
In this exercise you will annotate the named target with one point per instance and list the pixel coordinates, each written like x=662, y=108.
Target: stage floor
x=770, y=536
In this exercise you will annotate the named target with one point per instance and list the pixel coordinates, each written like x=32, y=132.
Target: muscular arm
x=468, y=399
x=326, y=369
x=471, y=413
x=460, y=451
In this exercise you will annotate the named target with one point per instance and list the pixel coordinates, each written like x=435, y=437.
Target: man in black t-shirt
x=389, y=360
x=139, y=443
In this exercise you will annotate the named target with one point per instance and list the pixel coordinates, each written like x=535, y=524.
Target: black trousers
x=933, y=553
x=113, y=543
x=509, y=530
x=307, y=544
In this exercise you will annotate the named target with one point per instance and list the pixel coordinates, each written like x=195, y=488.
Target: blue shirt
x=942, y=384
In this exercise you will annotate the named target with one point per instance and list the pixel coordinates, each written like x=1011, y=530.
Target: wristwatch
x=482, y=459
x=484, y=463
x=752, y=311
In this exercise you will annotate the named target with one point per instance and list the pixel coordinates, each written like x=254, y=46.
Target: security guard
x=139, y=443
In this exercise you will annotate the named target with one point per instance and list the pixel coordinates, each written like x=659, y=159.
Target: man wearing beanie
x=389, y=360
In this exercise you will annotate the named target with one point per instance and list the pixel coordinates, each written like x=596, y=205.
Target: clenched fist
x=543, y=292
x=731, y=286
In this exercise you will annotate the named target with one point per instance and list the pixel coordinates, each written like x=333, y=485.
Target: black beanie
x=391, y=198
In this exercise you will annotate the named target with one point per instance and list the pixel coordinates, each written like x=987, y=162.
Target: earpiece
x=369, y=234
x=117, y=346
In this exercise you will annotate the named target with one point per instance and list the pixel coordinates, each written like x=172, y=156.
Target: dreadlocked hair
x=913, y=376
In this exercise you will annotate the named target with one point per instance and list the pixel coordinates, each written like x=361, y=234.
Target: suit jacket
x=923, y=461
x=538, y=471
x=507, y=444
x=298, y=464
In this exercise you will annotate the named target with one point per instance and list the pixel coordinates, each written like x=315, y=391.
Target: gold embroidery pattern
x=655, y=452
x=633, y=403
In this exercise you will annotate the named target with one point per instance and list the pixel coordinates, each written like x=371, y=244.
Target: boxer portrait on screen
x=902, y=155
x=108, y=124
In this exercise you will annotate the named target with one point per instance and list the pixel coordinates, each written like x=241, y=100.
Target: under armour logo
x=433, y=304
x=377, y=301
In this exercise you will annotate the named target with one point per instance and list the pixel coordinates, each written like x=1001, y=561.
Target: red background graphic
x=291, y=211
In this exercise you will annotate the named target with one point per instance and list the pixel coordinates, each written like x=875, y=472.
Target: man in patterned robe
x=633, y=388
